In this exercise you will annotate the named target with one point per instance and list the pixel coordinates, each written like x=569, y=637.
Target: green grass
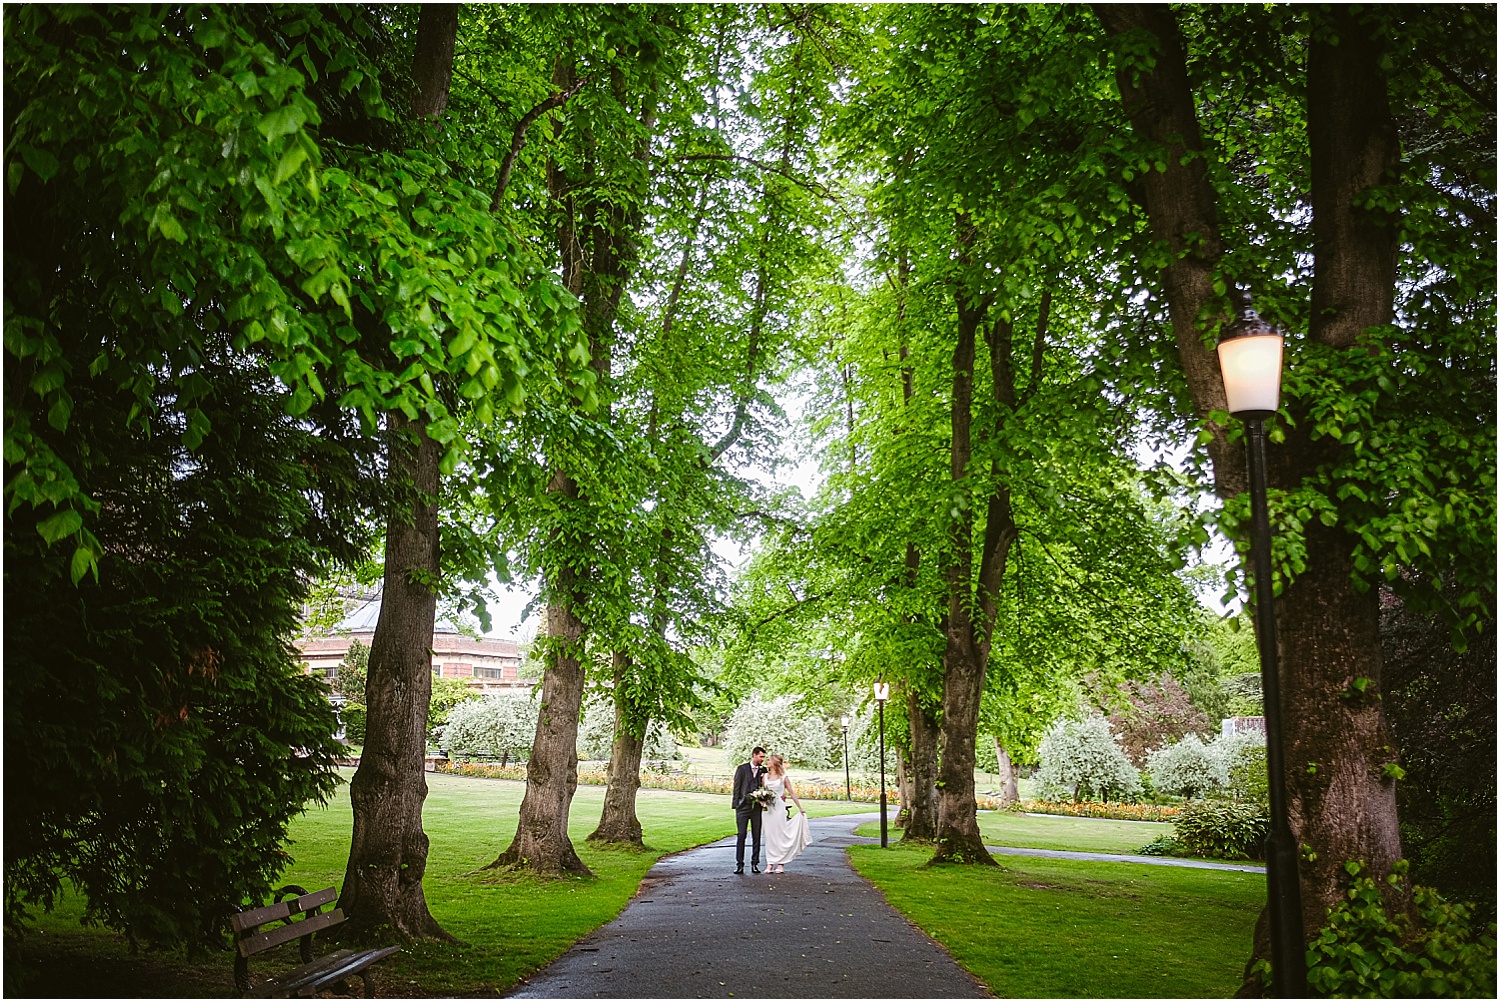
x=1065, y=928
x=1077, y=834
x=510, y=925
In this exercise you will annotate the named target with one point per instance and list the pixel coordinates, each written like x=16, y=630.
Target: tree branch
x=518, y=136
x=812, y=186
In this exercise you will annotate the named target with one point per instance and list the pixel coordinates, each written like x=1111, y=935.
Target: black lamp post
x=882, y=693
x=1250, y=361
x=848, y=790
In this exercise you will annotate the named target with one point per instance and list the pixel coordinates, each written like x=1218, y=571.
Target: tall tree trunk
x=388, y=850
x=388, y=853
x=1341, y=804
x=597, y=240
x=618, y=822
x=920, y=801
x=1009, y=789
x=966, y=642
x=542, y=843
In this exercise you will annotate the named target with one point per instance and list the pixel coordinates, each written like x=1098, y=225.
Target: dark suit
x=747, y=812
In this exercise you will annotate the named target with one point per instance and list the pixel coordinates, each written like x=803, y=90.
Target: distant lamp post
x=1250, y=360
x=882, y=693
x=848, y=789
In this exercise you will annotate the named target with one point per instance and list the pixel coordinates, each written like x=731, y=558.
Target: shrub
x=779, y=725
x=1083, y=761
x=1366, y=952
x=500, y=726
x=1222, y=829
x=1163, y=845
x=1243, y=758
x=1189, y=768
x=596, y=735
x=353, y=715
x=447, y=693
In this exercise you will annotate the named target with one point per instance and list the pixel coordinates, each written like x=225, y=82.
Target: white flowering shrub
x=1082, y=760
x=596, y=735
x=500, y=726
x=1188, y=768
x=1242, y=756
x=780, y=726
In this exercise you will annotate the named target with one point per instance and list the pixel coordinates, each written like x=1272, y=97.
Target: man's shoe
x=754, y=868
x=741, y=869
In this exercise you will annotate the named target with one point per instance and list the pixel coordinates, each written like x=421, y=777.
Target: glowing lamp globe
x=1250, y=361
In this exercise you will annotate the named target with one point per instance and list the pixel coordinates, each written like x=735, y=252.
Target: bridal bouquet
x=764, y=796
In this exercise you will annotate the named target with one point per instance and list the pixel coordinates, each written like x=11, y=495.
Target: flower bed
x=680, y=783
x=1117, y=812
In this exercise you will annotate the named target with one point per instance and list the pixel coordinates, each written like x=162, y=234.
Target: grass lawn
x=1063, y=928
x=1079, y=834
x=509, y=925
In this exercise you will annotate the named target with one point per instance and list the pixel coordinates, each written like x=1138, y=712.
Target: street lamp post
x=848, y=790
x=882, y=693
x=1250, y=360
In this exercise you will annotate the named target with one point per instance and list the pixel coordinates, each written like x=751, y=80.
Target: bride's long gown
x=784, y=839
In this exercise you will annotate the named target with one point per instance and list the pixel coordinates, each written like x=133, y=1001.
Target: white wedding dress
x=784, y=839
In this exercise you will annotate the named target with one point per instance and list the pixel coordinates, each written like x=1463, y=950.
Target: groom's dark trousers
x=747, y=813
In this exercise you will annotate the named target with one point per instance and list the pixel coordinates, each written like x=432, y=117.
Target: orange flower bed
x=1117, y=812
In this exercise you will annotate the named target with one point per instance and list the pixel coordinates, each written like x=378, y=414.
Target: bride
x=785, y=837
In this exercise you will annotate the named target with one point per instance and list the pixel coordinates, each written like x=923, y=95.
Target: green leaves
x=281, y=122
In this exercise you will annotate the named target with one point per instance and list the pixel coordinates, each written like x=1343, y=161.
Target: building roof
x=363, y=620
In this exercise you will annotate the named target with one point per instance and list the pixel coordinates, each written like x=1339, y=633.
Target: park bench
x=315, y=974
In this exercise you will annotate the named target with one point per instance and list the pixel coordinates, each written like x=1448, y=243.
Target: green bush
x=1163, y=845
x=1365, y=952
x=353, y=715
x=1222, y=829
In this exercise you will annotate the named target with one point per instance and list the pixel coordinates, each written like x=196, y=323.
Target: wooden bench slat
x=293, y=979
x=252, y=917
x=317, y=976
x=261, y=941
x=353, y=965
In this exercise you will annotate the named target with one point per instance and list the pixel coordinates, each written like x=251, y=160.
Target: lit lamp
x=1250, y=360
x=848, y=790
x=882, y=693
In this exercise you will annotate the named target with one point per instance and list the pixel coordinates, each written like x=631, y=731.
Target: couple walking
x=761, y=790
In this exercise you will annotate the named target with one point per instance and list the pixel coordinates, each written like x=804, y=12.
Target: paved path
x=695, y=930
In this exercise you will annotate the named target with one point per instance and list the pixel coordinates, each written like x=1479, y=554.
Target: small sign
x=882, y=691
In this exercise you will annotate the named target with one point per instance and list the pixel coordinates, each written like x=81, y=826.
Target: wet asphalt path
x=696, y=930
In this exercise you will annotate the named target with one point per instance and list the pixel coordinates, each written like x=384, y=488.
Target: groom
x=746, y=811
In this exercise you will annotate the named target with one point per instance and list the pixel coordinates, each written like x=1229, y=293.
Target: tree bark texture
x=542, y=844
x=388, y=853
x=1337, y=740
x=1009, y=788
x=388, y=850
x=1354, y=149
x=618, y=822
x=1182, y=209
x=919, y=800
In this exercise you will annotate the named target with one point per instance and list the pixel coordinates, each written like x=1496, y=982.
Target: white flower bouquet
x=764, y=796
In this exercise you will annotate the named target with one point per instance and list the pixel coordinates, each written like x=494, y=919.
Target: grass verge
x=1041, y=928
x=509, y=925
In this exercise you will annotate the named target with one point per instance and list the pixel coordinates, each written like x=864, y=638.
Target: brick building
x=484, y=663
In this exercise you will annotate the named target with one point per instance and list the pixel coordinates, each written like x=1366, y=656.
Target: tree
x=498, y=726
x=782, y=726
x=1187, y=768
x=1386, y=269
x=175, y=472
x=1084, y=761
